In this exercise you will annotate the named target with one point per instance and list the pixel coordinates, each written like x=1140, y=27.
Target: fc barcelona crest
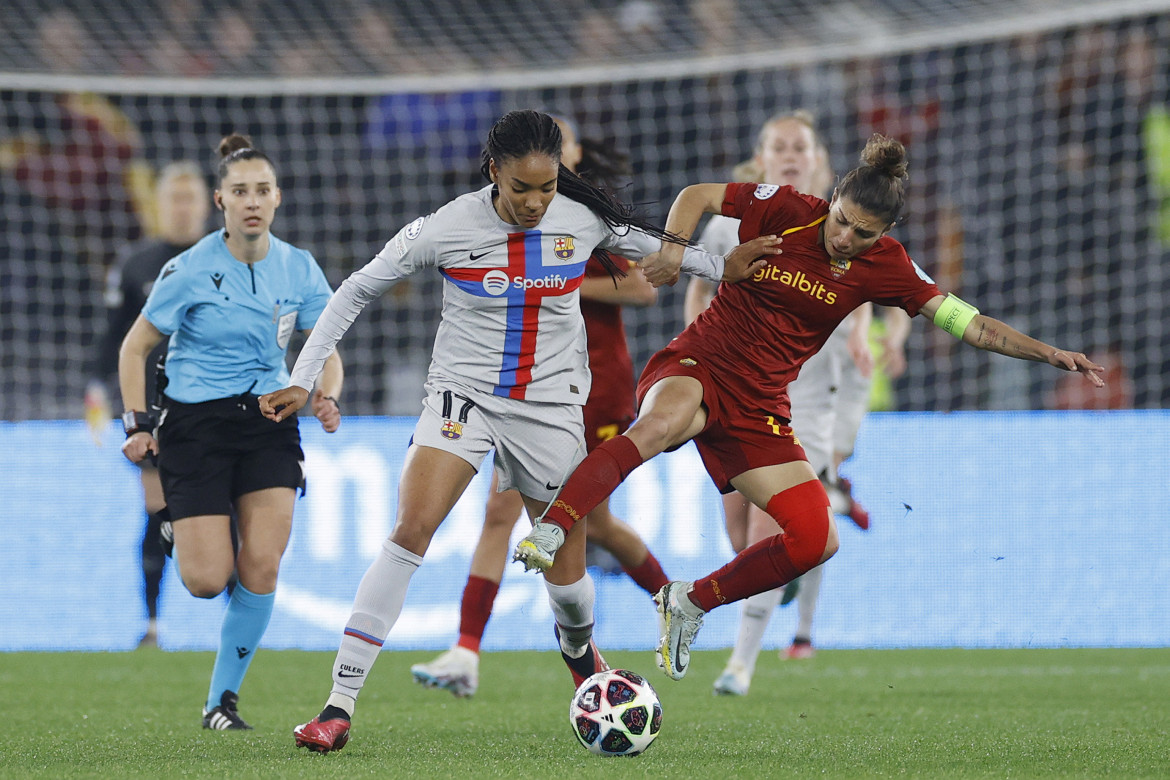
x=840, y=266
x=563, y=247
x=452, y=430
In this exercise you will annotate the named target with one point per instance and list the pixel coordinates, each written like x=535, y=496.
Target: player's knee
x=259, y=576
x=204, y=585
x=411, y=536
x=652, y=432
x=810, y=535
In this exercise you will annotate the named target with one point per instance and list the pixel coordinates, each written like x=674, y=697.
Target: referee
x=229, y=305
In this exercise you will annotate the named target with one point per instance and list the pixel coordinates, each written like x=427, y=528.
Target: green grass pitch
x=845, y=714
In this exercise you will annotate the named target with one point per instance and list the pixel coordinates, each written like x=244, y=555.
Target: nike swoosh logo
x=475, y=257
x=547, y=486
x=344, y=674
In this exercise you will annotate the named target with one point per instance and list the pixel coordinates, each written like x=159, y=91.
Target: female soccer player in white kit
x=508, y=371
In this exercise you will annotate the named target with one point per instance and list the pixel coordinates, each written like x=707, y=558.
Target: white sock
x=806, y=600
x=572, y=606
x=342, y=701
x=682, y=600
x=753, y=622
x=375, y=609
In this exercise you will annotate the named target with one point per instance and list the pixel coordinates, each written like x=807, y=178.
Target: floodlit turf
x=911, y=713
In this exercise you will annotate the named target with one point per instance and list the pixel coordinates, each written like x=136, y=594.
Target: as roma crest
x=452, y=430
x=840, y=266
x=563, y=247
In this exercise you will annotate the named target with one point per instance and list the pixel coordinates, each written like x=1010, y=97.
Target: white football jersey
x=511, y=322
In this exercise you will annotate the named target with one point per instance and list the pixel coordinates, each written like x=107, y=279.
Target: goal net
x=1038, y=136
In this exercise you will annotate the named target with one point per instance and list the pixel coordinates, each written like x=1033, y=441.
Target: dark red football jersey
x=764, y=328
x=612, y=393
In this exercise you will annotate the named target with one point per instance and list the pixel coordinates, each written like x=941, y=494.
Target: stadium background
x=1039, y=141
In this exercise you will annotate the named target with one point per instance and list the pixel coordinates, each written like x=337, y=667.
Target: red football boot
x=322, y=736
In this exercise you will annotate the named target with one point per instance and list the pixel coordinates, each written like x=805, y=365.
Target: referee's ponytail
x=520, y=133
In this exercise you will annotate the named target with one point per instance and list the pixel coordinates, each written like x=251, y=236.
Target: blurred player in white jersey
x=788, y=151
x=508, y=372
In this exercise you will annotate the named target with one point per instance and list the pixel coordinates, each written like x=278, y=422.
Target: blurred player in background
x=229, y=305
x=508, y=372
x=723, y=381
x=608, y=411
x=183, y=204
x=827, y=400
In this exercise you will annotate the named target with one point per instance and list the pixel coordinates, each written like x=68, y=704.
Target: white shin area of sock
x=753, y=622
x=375, y=609
x=572, y=606
x=806, y=600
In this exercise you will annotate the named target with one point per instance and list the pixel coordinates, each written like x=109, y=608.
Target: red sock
x=598, y=475
x=478, y=596
x=648, y=574
x=779, y=559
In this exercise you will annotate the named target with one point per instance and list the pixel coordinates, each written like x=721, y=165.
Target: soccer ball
x=615, y=713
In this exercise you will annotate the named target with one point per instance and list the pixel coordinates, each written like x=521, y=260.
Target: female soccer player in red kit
x=722, y=382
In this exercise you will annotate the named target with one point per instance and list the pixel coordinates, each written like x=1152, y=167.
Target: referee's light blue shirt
x=230, y=322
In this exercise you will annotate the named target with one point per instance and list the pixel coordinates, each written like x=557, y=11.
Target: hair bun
x=234, y=143
x=885, y=154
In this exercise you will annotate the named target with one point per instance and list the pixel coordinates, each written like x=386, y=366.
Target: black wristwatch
x=138, y=422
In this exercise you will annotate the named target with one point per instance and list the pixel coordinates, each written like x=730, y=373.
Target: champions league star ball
x=615, y=713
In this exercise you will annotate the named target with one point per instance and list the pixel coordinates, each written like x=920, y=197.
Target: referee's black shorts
x=212, y=453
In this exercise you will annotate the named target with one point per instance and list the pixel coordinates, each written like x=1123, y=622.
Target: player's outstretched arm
x=663, y=267
x=964, y=321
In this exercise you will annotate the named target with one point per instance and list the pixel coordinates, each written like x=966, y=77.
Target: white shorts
x=852, y=404
x=813, y=397
x=537, y=444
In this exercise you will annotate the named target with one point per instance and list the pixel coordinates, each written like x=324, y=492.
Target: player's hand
x=750, y=257
x=97, y=410
x=858, y=344
x=327, y=410
x=280, y=405
x=1076, y=361
x=662, y=267
x=136, y=447
x=893, y=359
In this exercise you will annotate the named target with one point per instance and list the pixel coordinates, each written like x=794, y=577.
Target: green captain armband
x=954, y=315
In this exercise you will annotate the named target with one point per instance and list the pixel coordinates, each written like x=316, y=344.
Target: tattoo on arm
x=987, y=336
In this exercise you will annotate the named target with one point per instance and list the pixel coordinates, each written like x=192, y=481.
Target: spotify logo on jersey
x=495, y=282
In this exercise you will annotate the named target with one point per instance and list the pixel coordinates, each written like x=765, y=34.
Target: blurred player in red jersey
x=723, y=381
x=608, y=411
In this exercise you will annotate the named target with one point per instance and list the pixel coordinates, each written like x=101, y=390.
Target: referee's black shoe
x=224, y=716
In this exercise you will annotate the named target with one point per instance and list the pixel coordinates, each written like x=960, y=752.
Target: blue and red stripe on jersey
x=522, y=318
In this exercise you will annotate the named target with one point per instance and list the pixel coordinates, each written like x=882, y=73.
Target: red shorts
x=740, y=434
x=603, y=422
